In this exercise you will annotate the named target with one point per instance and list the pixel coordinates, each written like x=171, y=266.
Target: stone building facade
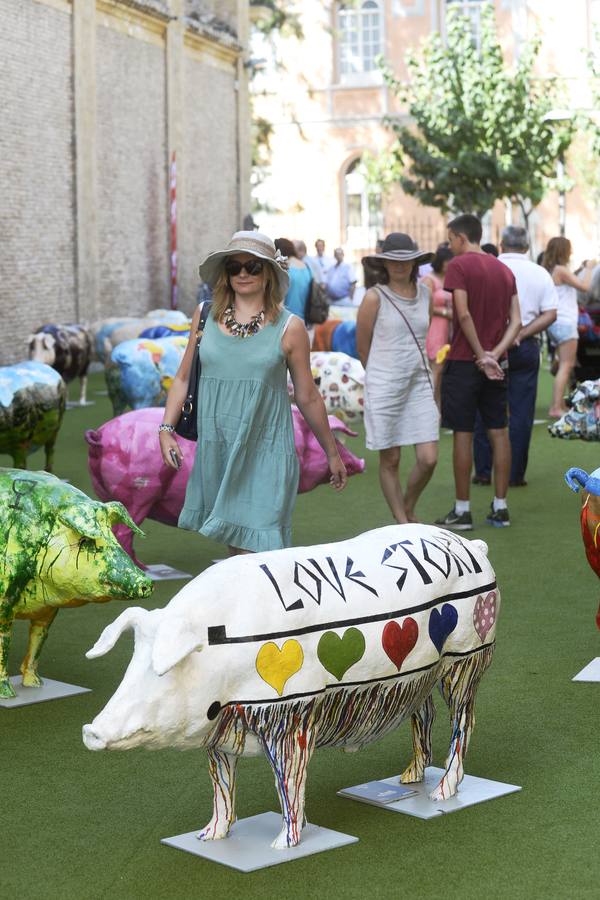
x=98, y=97
x=327, y=102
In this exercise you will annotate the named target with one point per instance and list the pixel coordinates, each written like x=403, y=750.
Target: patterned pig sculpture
x=125, y=464
x=32, y=404
x=578, y=479
x=290, y=650
x=56, y=549
x=67, y=348
x=341, y=383
x=107, y=333
x=172, y=329
x=141, y=371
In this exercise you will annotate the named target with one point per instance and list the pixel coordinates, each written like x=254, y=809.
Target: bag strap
x=409, y=326
x=202, y=323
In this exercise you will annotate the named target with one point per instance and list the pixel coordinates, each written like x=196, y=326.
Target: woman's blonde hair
x=224, y=295
x=557, y=253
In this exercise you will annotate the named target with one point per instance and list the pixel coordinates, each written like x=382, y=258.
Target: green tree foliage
x=482, y=131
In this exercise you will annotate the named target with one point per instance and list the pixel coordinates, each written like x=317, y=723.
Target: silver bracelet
x=163, y=427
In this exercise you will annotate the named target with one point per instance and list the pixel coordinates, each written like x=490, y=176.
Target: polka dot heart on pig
x=484, y=614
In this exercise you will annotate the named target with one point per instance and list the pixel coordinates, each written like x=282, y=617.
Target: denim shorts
x=559, y=332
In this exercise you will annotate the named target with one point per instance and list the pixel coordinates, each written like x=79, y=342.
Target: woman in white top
x=400, y=408
x=563, y=332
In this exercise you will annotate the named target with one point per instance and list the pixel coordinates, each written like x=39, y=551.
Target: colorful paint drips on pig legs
x=288, y=745
x=222, y=769
x=459, y=687
x=289, y=754
x=421, y=722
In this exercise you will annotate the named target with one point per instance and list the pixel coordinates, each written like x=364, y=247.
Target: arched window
x=472, y=9
x=360, y=38
x=362, y=208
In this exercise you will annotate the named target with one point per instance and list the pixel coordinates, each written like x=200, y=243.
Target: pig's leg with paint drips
x=458, y=688
x=421, y=722
x=222, y=768
x=289, y=755
x=38, y=632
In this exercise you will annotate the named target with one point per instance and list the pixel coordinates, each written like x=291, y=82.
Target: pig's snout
x=92, y=740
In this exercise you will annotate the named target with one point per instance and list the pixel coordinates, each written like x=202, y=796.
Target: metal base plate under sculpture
x=248, y=846
x=591, y=672
x=50, y=690
x=162, y=572
x=471, y=791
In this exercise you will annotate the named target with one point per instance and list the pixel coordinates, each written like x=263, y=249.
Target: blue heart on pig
x=442, y=624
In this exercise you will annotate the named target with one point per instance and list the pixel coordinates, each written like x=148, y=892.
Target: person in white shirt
x=539, y=302
x=321, y=261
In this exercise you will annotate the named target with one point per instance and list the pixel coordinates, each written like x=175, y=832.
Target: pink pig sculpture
x=125, y=464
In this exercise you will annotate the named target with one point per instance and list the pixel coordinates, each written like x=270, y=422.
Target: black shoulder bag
x=187, y=426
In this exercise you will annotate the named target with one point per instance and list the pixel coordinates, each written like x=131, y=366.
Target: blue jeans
x=523, y=368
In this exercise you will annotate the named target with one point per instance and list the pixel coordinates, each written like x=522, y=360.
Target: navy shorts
x=466, y=391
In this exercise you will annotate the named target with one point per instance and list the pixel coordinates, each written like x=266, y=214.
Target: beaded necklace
x=242, y=329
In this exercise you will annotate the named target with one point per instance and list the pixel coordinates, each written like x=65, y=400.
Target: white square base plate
x=591, y=672
x=248, y=846
x=472, y=790
x=161, y=572
x=50, y=690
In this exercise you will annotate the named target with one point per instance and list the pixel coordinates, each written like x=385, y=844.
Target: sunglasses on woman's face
x=250, y=267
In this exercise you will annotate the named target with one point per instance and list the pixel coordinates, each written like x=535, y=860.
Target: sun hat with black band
x=399, y=247
x=254, y=243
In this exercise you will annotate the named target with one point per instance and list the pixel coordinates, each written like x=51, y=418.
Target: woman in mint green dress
x=244, y=481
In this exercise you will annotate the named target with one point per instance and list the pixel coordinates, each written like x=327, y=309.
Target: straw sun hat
x=254, y=243
x=399, y=247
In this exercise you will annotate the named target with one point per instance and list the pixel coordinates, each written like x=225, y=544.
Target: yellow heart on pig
x=276, y=666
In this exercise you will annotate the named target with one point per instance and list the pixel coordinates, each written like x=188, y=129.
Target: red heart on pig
x=398, y=640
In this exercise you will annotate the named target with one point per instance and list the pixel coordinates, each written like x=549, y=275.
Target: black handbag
x=187, y=426
x=317, y=308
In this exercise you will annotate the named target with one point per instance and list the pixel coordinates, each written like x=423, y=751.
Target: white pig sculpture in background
x=326, y=646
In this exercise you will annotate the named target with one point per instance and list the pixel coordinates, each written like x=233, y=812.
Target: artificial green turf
x=80, y=825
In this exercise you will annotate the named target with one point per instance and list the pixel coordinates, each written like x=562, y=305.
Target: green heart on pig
x=338, y=654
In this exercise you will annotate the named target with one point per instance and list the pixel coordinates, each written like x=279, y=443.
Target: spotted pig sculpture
x=32, y=404
x=341, y=383
x=290, y=650
x=67, y=348
x=56, y=549
x=125, y=464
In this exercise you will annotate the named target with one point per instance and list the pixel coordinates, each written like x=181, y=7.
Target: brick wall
x=210, y=145
x=132, y=174
x=37, y=252
x=130, y=191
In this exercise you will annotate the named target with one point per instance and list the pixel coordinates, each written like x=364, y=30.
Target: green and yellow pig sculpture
x=57, y=549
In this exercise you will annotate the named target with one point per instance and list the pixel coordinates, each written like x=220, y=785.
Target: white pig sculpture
x=326, y=646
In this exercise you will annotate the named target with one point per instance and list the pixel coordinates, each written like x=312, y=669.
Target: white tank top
x=567, y=304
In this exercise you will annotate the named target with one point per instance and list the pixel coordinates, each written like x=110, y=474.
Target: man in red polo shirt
x=486, y=321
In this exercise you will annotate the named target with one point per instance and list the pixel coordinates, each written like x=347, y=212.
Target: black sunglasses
x=251, y=267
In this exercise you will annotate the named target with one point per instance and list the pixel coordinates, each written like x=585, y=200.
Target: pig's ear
x=81, y=519
x=118, y=515
x=111, y=634
x=174, y=640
